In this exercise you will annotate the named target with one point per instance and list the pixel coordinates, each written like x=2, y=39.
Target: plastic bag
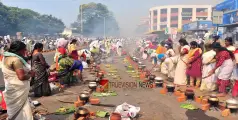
x=85, y=65
x=127, y=111
x=144, y=56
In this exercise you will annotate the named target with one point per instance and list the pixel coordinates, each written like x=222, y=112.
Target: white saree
x=180, y=71
x=16, y=95
x=208, y=83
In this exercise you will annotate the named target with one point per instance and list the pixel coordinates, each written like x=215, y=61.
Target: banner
x=204, y=25
x=228, y=5
x=230, y=18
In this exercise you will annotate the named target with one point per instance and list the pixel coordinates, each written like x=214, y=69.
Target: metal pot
x=232, y=104
x=84, y=97
x=97, y=79
x=152, y=77
x=81, y=112
x=100, y=74
x=159, y=79
x=136, y=60
x=189, y=94
x=142, y=67
x=86, y=92
x=213, y=100
x=94, y=65
x=170, y=87
x=92, y=85
x=159, y=84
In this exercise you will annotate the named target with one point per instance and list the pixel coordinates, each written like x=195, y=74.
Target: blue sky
x=127, y=12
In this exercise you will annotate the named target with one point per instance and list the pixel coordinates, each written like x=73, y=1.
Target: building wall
x=157, y=21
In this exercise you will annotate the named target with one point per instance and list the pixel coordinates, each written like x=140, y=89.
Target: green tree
x=14, y=20
x=94, y=15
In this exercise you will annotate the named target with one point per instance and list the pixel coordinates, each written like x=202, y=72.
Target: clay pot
x=182, y=99
x=94, y=101
x=198, y=99
x=182, y=94
x=204, y=101
x=163, y=91
x=154, y=85
x=205, y=107
x=98, y=89
x=225, y=113
x=177, y=93
x=115, y=116
x=79, y=103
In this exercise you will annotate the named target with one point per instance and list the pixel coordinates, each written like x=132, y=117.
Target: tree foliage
x=13, y=19
x=93, y=15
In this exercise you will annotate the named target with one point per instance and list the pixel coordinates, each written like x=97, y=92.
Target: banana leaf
x=188, y=106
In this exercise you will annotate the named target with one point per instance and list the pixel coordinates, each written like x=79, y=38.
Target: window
x=163, y=19
x=154, y=27
x=201, y=18
x=174, y=25
x=163, y=11
x=163, y=27
x=201, y=10
x=187, y=10
x=186, y=18
x=155, y=12
x=174, y=18
x=174, y=10
x=155, y=21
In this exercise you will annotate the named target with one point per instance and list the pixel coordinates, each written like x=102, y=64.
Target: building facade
x=174, y=16
x=229, y=26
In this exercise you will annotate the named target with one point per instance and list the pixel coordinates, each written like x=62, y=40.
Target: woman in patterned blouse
x=224, y=67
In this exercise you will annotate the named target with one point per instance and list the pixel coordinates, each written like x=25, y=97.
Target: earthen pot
x=115, y=116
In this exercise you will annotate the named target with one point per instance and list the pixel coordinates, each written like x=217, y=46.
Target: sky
x=128, y=13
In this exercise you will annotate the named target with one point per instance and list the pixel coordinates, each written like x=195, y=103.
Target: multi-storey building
x=174, y=16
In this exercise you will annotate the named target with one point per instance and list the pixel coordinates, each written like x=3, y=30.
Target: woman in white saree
x=208, y=83
x=17, y=73
x=181, y=67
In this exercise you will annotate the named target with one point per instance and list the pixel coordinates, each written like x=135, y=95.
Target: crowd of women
x=26, y=72
x=210, y=67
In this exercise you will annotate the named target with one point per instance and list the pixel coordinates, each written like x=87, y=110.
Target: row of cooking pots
x=212, y=100
x=140, y=64
x=84, y=96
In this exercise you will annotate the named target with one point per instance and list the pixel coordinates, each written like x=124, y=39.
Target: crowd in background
x=207, y=65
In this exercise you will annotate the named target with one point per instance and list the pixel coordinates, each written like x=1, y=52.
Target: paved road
x=49, y=59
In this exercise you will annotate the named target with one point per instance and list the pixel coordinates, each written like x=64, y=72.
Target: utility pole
x=81, y=15
x=104, y=28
